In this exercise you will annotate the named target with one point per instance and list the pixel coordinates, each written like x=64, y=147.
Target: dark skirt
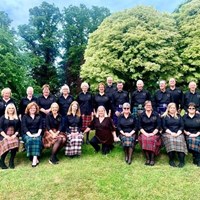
x=33, y=145
x=194, y=143
x=177, y=144
x=128, y=141
x=152, y=143
x=6, y=145
x=73, y=145
x=49, y=141
x=86, y=120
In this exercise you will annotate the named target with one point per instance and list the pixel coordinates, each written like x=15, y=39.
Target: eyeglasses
x=191, y=108
x=126, y=108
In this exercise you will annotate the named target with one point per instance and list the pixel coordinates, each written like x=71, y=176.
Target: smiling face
x=46, y=91
x=101, y=89
x=148, y=106
x=101, y=111
x=54, y=108
x=172, y=109
x=6, y=94
x=32, y=110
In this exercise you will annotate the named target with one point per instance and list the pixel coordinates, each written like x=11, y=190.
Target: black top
x=173, y=124
x=177, y=97
x=85, y=102
x=162, y=98
x=45, y=103
x=6, y=123
x=109, y=90
x=119, y=98
x=24, y=102
x=30, y=124
x=192, y=98
x=3, y=105
x=149, y=124
x=139, y=97
x=192, y=124
x=127, y=124
x=73, y=121
x=53, y=123
x=64, y=104
x=102, y=100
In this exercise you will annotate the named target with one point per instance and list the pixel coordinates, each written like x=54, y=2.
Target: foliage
x=188, y=22
x=42, y=41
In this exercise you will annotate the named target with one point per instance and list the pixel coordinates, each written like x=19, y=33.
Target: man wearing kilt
x=73, y=124
x=138, y=97
x=162, y=98
x=9, y=130
x=32, y=129
x=192, y=131
x=119, y=97
x=86, y=107
x=172, y=135
x=149, y=138
x=53, y=136
x=127, y=126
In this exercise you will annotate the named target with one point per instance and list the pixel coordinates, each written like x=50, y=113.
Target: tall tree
x=78, y=23
x=42, y=38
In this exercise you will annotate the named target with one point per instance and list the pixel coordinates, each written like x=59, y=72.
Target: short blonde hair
x=11, y=105
x=54, y=104
x=6, y=90
x=84, y=84
x=78, y=112
x=28, y=107
x=65, y=86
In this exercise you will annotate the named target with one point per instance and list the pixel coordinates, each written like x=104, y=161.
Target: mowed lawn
x=96, y=176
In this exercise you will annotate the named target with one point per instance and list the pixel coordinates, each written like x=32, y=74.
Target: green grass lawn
x=96, y=176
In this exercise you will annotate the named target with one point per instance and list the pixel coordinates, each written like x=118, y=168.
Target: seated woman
x=172, y=135
x=53, y=136
x=32, y=129
x=149, y=138
x=127, y=126
x=192, y=130
x=9, y=131
x=104, y=131
x=73, y=124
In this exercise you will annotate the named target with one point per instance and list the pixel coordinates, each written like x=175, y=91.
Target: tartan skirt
x=33, y=145
x=86, y=120
x=194, y=143
x=115, y=117
x=152, y=143
x=6, y=145
x=73, y=145
x=128, y=141
x=48, y=141
x=177, y=144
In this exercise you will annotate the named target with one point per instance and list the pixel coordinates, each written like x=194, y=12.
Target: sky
x=18, y=10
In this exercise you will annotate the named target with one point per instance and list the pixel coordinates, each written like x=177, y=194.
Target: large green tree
x=42, y=37
x=188, y=22
x=140, y=43
x=78, y=23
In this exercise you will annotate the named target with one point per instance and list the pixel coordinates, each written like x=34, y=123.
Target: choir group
x=115, y=115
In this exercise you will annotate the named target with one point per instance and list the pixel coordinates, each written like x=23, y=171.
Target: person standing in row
x=192, y=96
x=86, y=106
x=149, y=138
x=138, y=97
x=119, y=97
x=110, y=87
x=162, y=98
x=9, y=131
x=192, y=131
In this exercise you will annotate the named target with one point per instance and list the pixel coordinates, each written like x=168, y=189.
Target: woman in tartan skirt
x=53, y=136
x=32, y=129
x=127, y=126
x=149, y=138
x=172, y=135
x=192, y=131
x=73, y=124
x=9, y=131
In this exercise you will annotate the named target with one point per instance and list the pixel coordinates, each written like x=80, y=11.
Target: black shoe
x=11, y=165
x=53, y=161
x=194, y=161
x=3, y=165
x=181, y=165
x=172, y=164
x=152, y=163
x=147, y=162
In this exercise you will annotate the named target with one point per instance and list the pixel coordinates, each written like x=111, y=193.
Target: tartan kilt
x=193, y=143
x=128, y=141
x=115, y=117
x=6, y=145
x=48, y=141
x=73, y=145
x=136, y=112
x=177, y=144
x=86, y=120
x=152, y=143
x=33, y=145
